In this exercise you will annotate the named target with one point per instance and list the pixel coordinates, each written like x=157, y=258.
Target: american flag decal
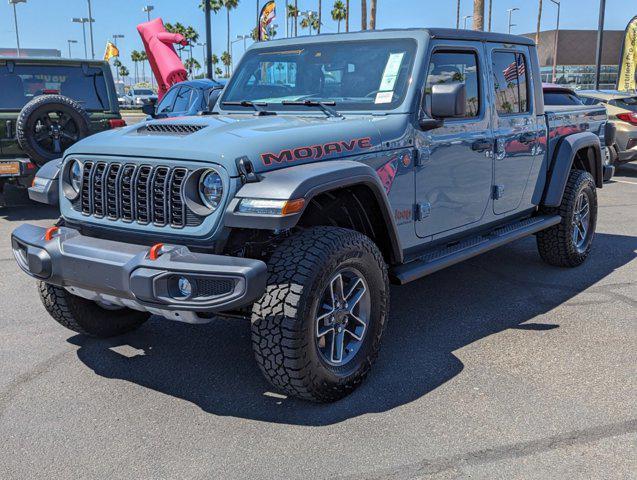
x=515, y=70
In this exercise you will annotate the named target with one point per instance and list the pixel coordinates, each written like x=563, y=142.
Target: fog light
x=185, y=287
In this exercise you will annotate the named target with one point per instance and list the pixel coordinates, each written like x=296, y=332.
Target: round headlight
x=75, y=175
x=211, y=189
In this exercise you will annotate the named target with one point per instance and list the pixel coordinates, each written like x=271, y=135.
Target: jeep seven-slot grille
x=135, y=193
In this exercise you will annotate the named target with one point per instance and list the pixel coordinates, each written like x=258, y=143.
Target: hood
x=270, y=142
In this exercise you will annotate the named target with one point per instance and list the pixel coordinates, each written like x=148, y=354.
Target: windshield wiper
x=258, y=106
x=325, y=106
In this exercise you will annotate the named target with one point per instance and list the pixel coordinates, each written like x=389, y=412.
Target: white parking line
x=624, y=181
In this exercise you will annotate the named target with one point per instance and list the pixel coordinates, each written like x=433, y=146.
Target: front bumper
x=123, y=274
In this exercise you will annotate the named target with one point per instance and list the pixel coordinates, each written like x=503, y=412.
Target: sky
x=47, y=23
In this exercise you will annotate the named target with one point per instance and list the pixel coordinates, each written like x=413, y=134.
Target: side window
x=510, y=80
x=456, y=67
x=183, y=99
x=166, y=104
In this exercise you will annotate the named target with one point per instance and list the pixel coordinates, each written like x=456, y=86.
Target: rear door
x=453, y=182
x=514, y=125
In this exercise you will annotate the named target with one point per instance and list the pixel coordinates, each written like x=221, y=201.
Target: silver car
x=136, y=97
x=622, y=111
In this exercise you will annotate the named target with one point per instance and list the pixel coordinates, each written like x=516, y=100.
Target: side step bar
x=450, y=255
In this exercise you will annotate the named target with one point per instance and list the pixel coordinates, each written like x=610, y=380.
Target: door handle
x=482, y=145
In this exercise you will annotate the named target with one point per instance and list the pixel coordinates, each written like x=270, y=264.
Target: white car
x=136, y=97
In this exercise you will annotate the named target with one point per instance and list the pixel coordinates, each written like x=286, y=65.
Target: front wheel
x=316, y=331
x=87, y=317
x=568, y=243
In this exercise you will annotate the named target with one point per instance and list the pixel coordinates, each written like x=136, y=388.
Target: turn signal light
x=155, y=251
x=293, y=206
x=48, y=235
x=117, y=122
x=629, y=117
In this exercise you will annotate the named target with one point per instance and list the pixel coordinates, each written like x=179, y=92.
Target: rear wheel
x=316, y=331
x=568, y=243
x=87, y=317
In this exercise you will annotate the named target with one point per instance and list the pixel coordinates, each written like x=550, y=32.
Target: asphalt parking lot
x=502, y=367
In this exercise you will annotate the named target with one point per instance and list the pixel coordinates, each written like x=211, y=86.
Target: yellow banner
x=628, y=63
x=111, y=51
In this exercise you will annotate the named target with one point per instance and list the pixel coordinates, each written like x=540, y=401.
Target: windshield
x=143, y=92
x=356, y=75
x=561, y=98
x=19, y=87
x=629, y=103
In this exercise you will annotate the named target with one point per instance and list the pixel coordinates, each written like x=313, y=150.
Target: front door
x=454, y=179
x=514, y=126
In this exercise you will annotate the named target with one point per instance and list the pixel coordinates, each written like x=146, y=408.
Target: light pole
x=238, y=39
x=511, y=10
x=70, y=42
x=90, y=28
x=600, y=42
x=115, y=37
x=148, y=9
x=203, y=50
x=490, y=10
x=15, y=20
x=557, y=32
x=83, y=21
x=465, y=18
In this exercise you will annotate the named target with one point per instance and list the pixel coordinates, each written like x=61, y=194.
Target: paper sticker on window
x=384, y=97
x=390, y=75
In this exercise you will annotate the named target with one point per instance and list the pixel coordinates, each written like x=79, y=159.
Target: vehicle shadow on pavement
x=212, y=366
x=31, y=212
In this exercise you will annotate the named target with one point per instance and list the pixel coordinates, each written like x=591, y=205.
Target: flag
x=111, y=51
x=515, y=70
x=266, y=17
x=627, y=79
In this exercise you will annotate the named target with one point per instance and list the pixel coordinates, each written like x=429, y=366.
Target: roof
x=55, y=60
x=202, y=83
x=438, y=33
x=605, y=94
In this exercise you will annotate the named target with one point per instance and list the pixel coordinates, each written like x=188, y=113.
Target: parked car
x=622, y=111
x=46, y=105
x=296, y=203
x=186, y=98
x=562, y=96
x=137, y=97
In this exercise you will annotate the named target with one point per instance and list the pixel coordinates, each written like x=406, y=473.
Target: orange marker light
x=293, y=206
x=48, y=235
x=155, y=251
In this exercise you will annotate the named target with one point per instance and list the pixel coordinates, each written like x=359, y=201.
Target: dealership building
x=576, y=57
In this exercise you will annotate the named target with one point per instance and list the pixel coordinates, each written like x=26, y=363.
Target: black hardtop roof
x=53, y=60
x=478, y=36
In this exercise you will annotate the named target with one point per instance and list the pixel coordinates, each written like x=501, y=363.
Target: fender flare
x=563, y=162
x=307, y=181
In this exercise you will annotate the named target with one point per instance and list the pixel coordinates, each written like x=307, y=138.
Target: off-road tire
x=87, y=317
x=283, y=320
x=28, y=115
x=555, y=244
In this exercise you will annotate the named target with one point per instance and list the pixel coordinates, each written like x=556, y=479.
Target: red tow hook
x=155, y=251
x=48, y=235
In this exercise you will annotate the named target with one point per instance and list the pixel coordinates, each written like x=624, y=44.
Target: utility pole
x=478, y=15
x=511, y=10
x=600, y=42
x=208, y=41
x=539, y=25
x=15, y=21
x=490, y=11
x=458, y=16
x=557, y=32
x=90, y=27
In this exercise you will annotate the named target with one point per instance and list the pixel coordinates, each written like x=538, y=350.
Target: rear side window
x=182, y=101
x=561, y=98
x=629, y=103
x=28, y=81
x=590, y=101
x=456, y=67
x=510, y=81
x=166, y=104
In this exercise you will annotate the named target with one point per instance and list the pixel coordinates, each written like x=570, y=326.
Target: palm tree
x=176, y=28
x=226, y=59
x=229, y=5
x=339, y=13
x=292, y=15
x=539, y=21
x=143, y=58
x=134, y=56
x=363, y=14
x=310, y=21
x=192, y=64
x=478, y=14
x=215, y=6
x=192, y=36
x=372, y=15
x=218, y=72
x=347, y=16
x=123, y=72
x=320, y=16
x=117, y=64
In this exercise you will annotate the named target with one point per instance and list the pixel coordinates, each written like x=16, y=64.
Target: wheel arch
x=581, y=151
x=354, y=184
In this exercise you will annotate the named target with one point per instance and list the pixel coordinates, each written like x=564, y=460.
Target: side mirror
x=213, y=96
x=149, y=109
x=446, y=101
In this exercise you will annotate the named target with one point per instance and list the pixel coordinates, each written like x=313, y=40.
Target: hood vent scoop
x=169, y=129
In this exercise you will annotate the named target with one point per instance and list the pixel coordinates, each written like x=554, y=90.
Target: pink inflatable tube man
x=164, y=61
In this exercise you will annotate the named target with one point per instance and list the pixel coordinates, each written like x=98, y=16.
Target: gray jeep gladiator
x=330, y=167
